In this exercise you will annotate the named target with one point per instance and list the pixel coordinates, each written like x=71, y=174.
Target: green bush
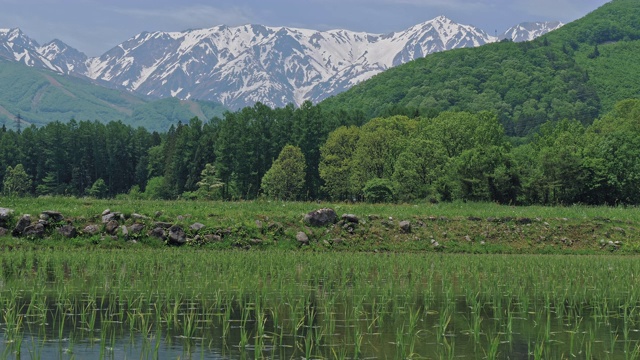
x=378, y=190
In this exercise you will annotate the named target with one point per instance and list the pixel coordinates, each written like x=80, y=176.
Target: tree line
x=466, y=156
x=309, y=153
x=80, y=158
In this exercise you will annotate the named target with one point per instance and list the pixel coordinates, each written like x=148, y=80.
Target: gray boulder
x=112, y=227
x=212, y=238
x=22, y=224
x=50, y=215
x=91, y=229
x=125, y=231
x=36, y=231
x=197, y=227
x=5, y=213
x=302, y=238
x=350, y=218
x=68, y=231
x=322, y=217
x=405, y=226
x=177, y=236
x=139, y=217
x=108, y=217
x=5, y=216
x=164, y=225
x=136, y=229
x=158, y=233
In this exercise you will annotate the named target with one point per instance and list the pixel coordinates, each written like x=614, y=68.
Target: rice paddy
x=187, y=304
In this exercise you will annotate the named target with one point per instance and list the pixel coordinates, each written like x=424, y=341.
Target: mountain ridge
x=239, y=66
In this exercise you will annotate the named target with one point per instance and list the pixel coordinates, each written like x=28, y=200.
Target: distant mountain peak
x=14, y=32
x=441, y=18
x=528, y=31
x=63, y=57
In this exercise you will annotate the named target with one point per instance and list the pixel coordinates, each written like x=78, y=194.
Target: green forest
x=552, y=121
x=309, y=154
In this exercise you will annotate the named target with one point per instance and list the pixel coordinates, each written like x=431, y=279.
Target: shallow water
x=431, y=329
x=290, y=305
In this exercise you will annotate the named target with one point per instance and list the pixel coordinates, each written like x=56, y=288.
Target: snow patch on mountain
x=528, y=31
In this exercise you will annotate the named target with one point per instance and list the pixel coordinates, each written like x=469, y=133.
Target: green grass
x=229, y=212
x=455, y=227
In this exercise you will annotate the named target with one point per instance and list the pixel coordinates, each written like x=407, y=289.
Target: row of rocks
x=612, y=245
x=348, y=222
x=171, y=233
x=25, y=227
x=112, y=225
x=116, y=225
x=325, y=217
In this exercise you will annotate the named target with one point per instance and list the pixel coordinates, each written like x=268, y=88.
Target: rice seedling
x=494, y=345
x=326, y=305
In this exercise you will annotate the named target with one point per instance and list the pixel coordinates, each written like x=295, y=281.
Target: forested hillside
x=39, y=97
x=577, y=72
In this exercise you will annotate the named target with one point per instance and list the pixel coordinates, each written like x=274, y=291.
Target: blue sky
x=95, y=26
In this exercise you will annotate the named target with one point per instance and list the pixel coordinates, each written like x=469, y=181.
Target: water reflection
x=443, y=326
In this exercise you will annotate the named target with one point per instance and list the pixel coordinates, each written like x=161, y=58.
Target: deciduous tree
x=336, y=161
x=286, y=177
x=16, y=181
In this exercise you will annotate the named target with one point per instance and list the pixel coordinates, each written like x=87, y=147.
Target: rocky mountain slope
x=529, y=30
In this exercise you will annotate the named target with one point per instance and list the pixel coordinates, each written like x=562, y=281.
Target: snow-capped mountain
x=529, y=30
x=55, y=55
x=16, y=46
x=275, y=65
x=65, y=58
x=242, y=65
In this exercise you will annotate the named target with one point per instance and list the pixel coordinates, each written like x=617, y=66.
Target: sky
x=94, y=27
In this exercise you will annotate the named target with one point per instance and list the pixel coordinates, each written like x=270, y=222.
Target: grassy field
x=378, y=292
x=448, y=227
